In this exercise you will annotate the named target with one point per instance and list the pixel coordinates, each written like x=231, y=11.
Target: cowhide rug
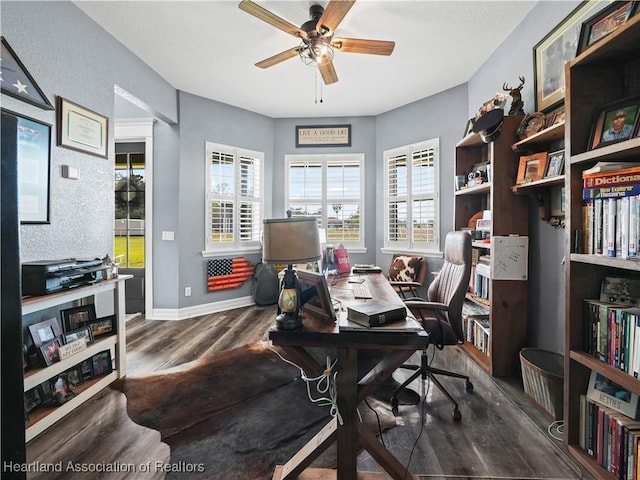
x=235, y=414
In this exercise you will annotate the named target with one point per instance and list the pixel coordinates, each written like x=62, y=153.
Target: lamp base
x=288, y=321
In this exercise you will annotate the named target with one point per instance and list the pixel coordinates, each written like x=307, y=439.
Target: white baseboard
x=198, y=310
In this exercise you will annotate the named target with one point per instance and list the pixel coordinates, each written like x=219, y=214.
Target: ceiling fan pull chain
x=315, y=85
x=320, y=91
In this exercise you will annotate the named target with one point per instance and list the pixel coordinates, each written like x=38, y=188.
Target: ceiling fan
x=317, y=43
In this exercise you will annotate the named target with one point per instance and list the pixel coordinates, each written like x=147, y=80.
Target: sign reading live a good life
x=323, y=136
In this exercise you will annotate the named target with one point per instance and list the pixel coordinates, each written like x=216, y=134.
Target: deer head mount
x=517, y=105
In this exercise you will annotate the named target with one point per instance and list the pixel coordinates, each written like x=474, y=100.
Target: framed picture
x=51, y=352
x=86, y=369
x=77, y=317
x=530, y=125
x=74, y=377
x=101, y=364
x=61, y=389
x=557, y=201
x=531, y=167
x=73, y=335
x=34, y=168
x=604, y=22
x=315, y=295
x=557, y=48
x=555, y=164
x=32, y=398
x=18, y=82
x=44, y=331
x=323, y=136
x=615, y=122
x=82, y=129
x=554, y=117
x=103, y=326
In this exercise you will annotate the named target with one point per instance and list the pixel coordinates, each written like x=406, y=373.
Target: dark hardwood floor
x=502, y=434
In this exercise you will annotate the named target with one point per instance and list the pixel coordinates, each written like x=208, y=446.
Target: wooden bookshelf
x=604, y=73
x=507, y=303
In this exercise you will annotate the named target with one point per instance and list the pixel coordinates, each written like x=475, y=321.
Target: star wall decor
x=16, y=81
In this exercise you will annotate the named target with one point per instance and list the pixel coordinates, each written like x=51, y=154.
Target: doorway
x=129, y=226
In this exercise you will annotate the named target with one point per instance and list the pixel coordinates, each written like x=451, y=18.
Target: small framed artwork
x=61, y=389
x=44, y=331
x=323, y=136
x=557, y=201
x=74, y=377
x=604, y=22
x=531, y=167
x=498, y=101
x=81, y=129
x=531, y=124
x=615, y=122
x=32, y=398
x=554, y=117
x=101, y=364
x=86, y=369
x=77, y=317
x=558, y=47
x=555, y=164
x=51, y=352
x=34, y=168
x=73, y=335
x=103, y=326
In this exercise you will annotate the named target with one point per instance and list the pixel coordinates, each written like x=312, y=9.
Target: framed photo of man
x=615, y=123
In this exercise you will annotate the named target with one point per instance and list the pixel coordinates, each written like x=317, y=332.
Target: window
x=411, y=196
x=234, y=206
x=330, y=188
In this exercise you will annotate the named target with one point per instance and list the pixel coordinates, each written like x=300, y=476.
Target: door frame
x=141, y=130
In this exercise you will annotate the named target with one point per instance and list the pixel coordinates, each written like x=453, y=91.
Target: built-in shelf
x=529, y=187
x=548, y=135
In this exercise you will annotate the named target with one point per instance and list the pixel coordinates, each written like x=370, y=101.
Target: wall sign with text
x=323, y=136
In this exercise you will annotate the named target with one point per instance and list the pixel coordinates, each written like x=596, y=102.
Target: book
x=376, y=313
x=608, y=393
x=611, y=191
x=408, y=325
x=609, y=166
x=623, y=176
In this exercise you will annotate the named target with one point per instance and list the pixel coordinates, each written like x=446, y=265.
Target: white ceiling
x=209, y=48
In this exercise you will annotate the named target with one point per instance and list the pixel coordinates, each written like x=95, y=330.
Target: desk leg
x=347, y=436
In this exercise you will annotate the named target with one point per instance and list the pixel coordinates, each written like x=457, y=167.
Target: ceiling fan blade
x=328, y=73
x=280, y=57
x=271, y=18
x=359, y=45
x=333, y=15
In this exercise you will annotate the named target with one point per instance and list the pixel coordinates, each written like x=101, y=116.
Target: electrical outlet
x=187, y=291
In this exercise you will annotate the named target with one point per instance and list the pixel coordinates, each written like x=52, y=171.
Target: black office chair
x=441, y=314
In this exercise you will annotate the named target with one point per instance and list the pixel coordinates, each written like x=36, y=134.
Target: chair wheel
x=394, y=406
x=469, y=386
x=457, y=416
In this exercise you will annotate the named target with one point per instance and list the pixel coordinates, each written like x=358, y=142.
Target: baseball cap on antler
x=489, y=125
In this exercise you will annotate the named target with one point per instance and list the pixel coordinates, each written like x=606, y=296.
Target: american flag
x=227, y=273
x=16, y=81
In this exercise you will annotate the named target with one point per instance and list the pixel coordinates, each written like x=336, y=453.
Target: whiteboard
x=510, y=258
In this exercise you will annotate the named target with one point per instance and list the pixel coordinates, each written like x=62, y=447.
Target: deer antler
x=507, y=88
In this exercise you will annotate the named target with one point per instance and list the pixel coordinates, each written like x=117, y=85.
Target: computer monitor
x=315, y=296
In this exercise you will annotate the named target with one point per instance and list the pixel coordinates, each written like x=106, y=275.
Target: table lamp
x=290, y=240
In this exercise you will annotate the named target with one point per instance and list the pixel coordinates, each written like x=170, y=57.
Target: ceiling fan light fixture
x=316, y=51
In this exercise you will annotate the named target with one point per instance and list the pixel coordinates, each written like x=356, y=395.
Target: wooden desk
x=398, y=347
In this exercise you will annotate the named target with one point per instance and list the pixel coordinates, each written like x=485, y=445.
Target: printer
x=48, y=276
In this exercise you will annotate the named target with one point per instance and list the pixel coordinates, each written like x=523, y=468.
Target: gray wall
x=69, y=55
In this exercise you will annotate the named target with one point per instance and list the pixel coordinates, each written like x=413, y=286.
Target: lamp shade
x=291, y=240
